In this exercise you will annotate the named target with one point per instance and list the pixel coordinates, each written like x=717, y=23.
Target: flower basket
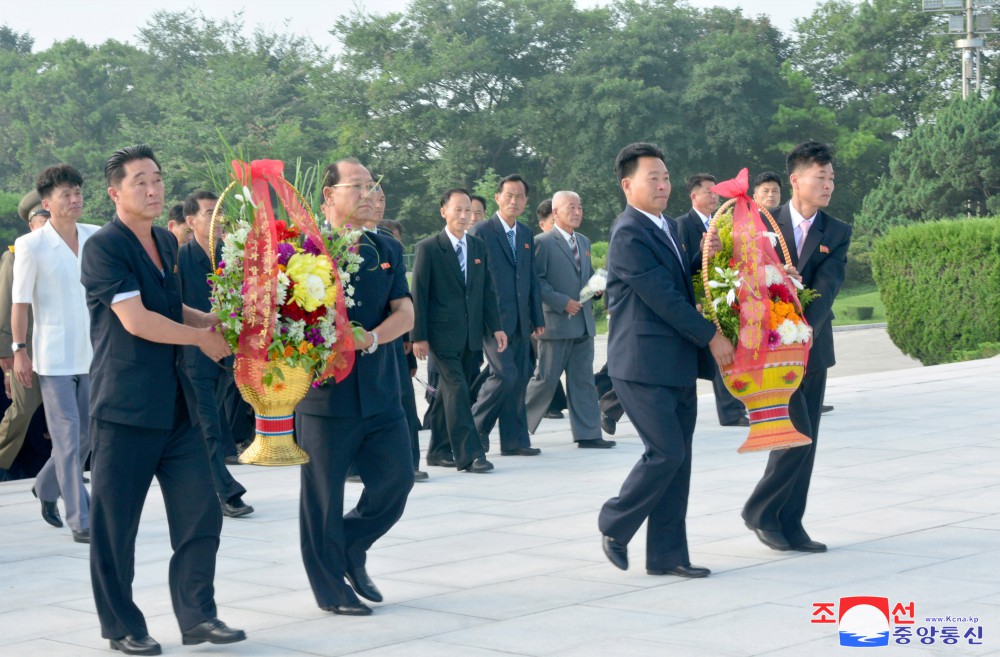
x=772, y=336
x=279, y=295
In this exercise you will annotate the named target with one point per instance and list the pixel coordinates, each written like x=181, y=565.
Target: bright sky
x=95, y=21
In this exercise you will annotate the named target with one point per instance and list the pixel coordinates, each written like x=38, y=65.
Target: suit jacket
x=372, y=387
x=559, y=281
x=516, y=286
x=655, y=331
x=822, y=265
x=451, y=313
x=6, y=286
x=194, y=267
x=132, y=381
x=691, y=230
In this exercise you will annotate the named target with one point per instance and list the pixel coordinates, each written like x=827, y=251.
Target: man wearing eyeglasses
x=512, y=265
x=359, y=419
x=23, y=401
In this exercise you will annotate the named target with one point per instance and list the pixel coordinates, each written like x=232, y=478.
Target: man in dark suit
x=209, y=380
x=655, y=333
x=511, y=262
x=693, y=225
x=456, y=311
x=359, y=419
x=775, y=508
x=562, y=260
x=140, y=426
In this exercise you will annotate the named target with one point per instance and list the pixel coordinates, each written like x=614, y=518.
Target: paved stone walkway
x=905, y=493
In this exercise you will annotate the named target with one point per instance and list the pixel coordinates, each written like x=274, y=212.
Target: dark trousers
x=409, y=403
x=206, y=406
x=453, y=430
x=779, y=500
x=610, y=406
x=729, y=408
x=657, y=487
x=332, y=541
x=502, y=395
x=125, y=460
x=238, y=414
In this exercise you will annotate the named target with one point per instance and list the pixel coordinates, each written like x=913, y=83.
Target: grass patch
x=859, y=296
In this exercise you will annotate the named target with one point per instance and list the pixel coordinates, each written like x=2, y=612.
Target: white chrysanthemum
x=296, y=332
x=774, y=275
x=804, y=332
x=283, y=282
x=788, y=332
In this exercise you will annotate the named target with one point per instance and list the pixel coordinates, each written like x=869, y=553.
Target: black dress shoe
x=600, y=443
x=130, y=645
x=443, y=461
x=479, y=466
x=232, y=459
x=420, y=475
x=214, y=631
x=350, y=609
x=689, y=571
x=609, y=425
x=742, y=422
x=809, y=546
x=772, y=539
x=825, y=409
x=235, y=507
x=50, y=512
x=521, y=451
x=363, y=584
x=617, y=553
x=553, y=415
x=81, y=535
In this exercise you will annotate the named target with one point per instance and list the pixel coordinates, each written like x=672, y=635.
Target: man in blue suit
x=654, y=336
x=139, y=422
x=512, y=265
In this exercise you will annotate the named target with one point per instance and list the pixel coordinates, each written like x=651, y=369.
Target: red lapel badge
x=527, y=246
x=823, y=248
x=386, y=265
x=478, y=261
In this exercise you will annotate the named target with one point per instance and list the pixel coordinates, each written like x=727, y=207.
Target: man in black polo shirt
x=359, y=419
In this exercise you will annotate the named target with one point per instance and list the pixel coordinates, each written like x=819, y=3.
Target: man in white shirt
x=47, y=276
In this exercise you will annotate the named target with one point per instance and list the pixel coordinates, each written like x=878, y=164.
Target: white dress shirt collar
x=798, y=218
x=704, y=219
x=454, y=240
x=562, y=232
x=656, y=219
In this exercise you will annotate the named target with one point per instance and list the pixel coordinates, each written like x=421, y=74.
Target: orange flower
x=289, y=350
x=304, y=347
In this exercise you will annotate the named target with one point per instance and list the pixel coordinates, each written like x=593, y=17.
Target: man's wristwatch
x=374, y=345
x=17, y=346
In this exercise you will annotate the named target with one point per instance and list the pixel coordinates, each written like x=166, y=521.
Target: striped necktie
x=510, y=239
x=575, y=250
x=461, y=258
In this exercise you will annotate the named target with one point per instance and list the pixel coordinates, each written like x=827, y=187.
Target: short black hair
x=806, y=153
x=766, y=177
x=114, y=168
x=544, y=210
x=698, y=179
x=55, y=175
x=191, y=205
x=393, y=226
x=176, y=214
x=451, y=192
x=627, y=160
x=331, y=174
x=513, y=178
x=477, y=197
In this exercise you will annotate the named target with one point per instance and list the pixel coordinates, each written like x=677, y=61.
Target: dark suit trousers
x=125, y=460
x=502, y=395
x=239, y=416
x=610, y=406
x=206, y=407
x=409, y=403
x=657, y=487
x=779, y=500
x=331, y=541
x=729, y=408
x=453, y=430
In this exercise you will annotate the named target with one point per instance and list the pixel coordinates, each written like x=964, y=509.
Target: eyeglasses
x=513, y=197
x=369, y=187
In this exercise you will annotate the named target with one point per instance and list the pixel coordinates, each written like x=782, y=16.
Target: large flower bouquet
x=758, y=306
x=279, y=292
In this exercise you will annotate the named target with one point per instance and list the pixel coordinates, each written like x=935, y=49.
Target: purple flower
x=285, y=252
x=314, y=336
x=310, y=247
x=222, y=264
x=773, y=339
x=233, y=315
x=284, y=330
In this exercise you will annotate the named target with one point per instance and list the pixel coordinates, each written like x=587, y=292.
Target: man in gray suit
x=562, y=263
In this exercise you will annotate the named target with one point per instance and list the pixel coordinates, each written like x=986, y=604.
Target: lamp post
x=973, y=24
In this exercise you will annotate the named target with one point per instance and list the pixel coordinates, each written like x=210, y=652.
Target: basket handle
x=712, y=231
x=211, y=226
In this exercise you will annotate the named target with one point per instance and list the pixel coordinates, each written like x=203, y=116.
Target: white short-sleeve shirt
x=47, y=275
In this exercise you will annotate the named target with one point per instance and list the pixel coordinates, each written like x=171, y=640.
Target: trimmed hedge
x=940, y=282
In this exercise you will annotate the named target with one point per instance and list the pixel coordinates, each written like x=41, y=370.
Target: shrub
x=599, y=255
x=940, y=282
